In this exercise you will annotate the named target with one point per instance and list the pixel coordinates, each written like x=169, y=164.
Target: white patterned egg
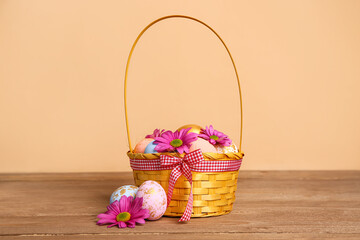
x=230, y=149
x=154, y=199
x=127, y=190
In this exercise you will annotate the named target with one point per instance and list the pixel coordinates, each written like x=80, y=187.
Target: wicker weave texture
x=214, y=192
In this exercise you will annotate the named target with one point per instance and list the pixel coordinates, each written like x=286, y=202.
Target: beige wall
x=62, y=65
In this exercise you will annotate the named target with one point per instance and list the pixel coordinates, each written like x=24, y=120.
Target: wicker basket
x=213, y=192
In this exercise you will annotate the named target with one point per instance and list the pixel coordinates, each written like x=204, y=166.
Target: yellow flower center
x=214, y=137
x=123, y=217
x=176, y=143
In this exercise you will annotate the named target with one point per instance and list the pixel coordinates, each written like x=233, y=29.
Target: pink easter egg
x=203, y=145
x=154, y=199
x=140, y=147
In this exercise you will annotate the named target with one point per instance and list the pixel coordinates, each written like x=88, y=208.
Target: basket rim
x=206, y=155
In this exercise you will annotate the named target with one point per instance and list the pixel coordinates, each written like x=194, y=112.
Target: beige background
x=62, y=65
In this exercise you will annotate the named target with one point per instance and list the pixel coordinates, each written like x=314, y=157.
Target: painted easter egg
x=140, y=147
x=203, y=145
x=127, y=190
x=150, y=148
x=229, y=149
x=194, y=128
x=154, y=199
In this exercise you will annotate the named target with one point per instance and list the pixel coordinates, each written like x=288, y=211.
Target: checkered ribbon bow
x=181, y=166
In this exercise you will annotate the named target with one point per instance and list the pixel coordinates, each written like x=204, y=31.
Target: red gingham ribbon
x=193, y=161
x=181, y=167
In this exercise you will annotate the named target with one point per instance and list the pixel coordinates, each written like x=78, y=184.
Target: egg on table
x=140, y=147
x=203, y=145
x=127, y=190
x=154, y=198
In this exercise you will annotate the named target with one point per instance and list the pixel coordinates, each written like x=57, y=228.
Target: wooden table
x=269, y=205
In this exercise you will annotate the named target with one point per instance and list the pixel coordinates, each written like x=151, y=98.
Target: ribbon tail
x=174, y=176
x=189, y=206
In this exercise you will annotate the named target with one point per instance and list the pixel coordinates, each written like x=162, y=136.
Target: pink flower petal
x=136, y=205
x=176, y=134
x=143, y=213
x=112, y=225
x=186, y=149
x=161, y=140
x=125, y=203
x=161, y=147
x=114, y=207
x=167, y=135
x=211, y=130
x=190, y=137
x=121, y=224
x=106, y=216
x=130, y=224
x=156, y=133
x=204, y=136
x=180, y=149
x=183, y=132
x=212, y=141
x=105, y=221
x=139, y=220
x=110, y=213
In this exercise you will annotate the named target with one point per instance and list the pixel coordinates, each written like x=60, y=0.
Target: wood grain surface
x=269, y=205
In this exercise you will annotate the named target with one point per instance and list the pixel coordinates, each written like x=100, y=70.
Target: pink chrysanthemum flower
x=124, y=213
x=156, y=133
x=180, y=141
x=215, y=137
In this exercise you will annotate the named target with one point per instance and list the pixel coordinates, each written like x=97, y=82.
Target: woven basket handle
x=132, y=50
